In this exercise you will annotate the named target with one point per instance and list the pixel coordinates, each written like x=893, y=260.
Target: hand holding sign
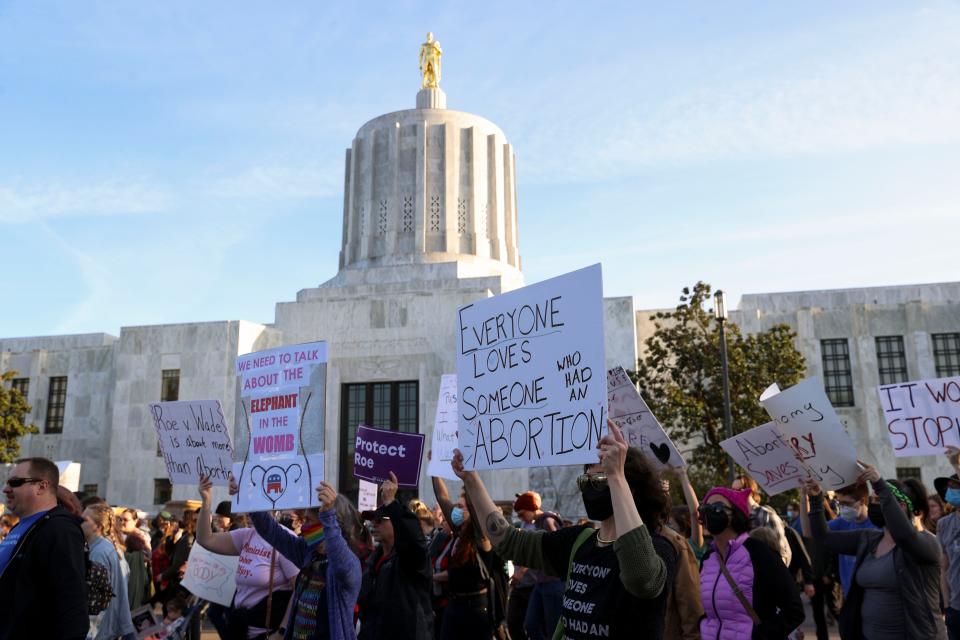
x=326, y=494
x=870, y=473
x=613, y=451
x=388, y=490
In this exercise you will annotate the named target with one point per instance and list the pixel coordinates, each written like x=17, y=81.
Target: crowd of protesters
x=880, y=559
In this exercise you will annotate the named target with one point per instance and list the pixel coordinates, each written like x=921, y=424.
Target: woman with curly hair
x=616, y=575
x=106, y=547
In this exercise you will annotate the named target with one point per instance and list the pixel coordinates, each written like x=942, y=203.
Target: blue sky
x=180, y=161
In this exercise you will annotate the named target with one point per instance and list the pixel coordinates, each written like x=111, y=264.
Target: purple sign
x=377, y=452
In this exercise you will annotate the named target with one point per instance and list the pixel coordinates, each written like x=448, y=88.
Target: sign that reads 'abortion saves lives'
x=530, y=374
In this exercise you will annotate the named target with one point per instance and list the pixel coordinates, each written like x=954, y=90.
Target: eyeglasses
x=15, y=482
x=595, y=481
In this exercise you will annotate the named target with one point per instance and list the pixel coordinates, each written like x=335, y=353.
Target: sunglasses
x=595, y=481
x=714, y=506
x=15, y=482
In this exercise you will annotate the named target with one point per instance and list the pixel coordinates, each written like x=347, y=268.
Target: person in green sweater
x=615, y=575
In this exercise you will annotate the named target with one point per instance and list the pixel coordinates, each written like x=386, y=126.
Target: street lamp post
x=720, y=313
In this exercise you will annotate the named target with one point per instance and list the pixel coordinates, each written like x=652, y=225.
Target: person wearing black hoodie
x=395, y=591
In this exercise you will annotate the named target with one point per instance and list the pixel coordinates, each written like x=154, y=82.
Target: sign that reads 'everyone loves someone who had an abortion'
x=530, y=374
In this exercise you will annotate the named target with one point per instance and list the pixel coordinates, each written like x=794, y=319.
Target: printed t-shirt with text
x=596, y=604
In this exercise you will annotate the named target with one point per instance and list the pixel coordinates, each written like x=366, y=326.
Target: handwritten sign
x=444, y=439
x=211, y=576
x=806, y=419
x=377, y=452
x=768, y=457
x=530, y=378
x=280, y=417
x=923, y=417
x=638, y=424
x=367, y=498
x=194, y=440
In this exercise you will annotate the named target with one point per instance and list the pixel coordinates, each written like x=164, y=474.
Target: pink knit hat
x=739, y=499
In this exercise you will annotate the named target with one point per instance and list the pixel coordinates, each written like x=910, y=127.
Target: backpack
x=99, y=591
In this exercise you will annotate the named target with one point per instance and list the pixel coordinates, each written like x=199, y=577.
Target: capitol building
x=430, y=223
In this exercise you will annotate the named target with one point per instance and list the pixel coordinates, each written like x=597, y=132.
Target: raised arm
x=221, y=543
x=919, y=544
x=844, y=542
x=442, y=495
x=343, y=562
x=408, y=541
x=693, y=505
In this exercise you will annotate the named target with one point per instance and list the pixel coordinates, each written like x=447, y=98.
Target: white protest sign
x=367, y=498
x=444, y=439
x=807, y=420
x=638, y=424
x=530, y=381
x=211, y=576
x=69, y=474
x=922, y=417
x=280, y=412
x=194, y=440
x=768, y=457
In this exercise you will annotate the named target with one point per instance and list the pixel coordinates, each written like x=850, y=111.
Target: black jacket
x=43, y=590
x=395, y=600
x=916, y=558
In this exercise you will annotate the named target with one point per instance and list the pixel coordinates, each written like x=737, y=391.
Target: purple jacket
x=343, y=568
x=767, y=585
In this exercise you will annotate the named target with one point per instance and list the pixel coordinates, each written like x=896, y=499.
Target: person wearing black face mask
x=895, y=591
x=615, y=576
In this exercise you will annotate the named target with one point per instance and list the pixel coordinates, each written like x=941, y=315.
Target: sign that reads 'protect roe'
x=377, y=452
x=530, y=374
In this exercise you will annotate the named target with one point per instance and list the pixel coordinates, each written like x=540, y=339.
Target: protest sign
x=367, y=498
x=280, y=416
x=638, y=424
x=444, y=439
x=768, y=457
x=807, y=420
x=923, y=417
x=377, y=452
x=530, y=363
x=69, y=474
x=145, y=622
x=194, y=440
x=211, y=576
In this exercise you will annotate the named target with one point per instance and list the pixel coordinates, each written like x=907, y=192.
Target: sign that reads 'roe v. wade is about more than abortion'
x=923, y=417
x=531, y=375
x=194, y=440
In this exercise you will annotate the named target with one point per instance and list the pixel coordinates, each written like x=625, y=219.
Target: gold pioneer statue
x=430, y=53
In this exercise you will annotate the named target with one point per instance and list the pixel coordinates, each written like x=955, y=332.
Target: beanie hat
x=527, y=501
x=739, y=499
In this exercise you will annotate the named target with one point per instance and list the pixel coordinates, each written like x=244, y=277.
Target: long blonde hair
x=102, y=516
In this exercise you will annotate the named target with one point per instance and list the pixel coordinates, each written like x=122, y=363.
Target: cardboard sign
x=807, y=420
x=530, y=381
x=69, y=474
x=145, y=622
x=444, y=439
x=377, y=452
x=280, y=416
x=211, y=576
x=367, y=498
x=768, y=457
x=638, y=424
x=923, y=417
x=194, y=440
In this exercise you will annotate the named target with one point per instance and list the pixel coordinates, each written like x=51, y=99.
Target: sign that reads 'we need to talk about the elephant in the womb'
x=531, y=377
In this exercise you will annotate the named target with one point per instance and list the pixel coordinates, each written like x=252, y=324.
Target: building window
x=946, y=354
x=170, y=385
x=837, y=377
x=90, y=490
x=908, y=472
x=385, y=405
x=22, y=385
x=891, y=359
x=162, y=490
x=56, y=402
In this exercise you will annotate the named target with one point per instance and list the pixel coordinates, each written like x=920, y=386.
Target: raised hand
x=613, y=450
x=327, y=495
x=388, y=490
x=206, y=491
x=870, y=473
x=810, y=487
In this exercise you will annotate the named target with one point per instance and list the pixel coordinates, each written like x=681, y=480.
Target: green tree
x=680, y=378
x=13, y=409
